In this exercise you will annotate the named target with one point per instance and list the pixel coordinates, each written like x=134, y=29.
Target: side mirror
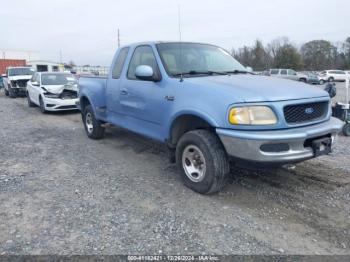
x=35, y=83
x=145, y=72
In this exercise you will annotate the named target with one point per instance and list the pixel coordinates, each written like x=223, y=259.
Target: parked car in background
x=52, y=91
x=312, y=78
x=15, y=80
x=332, y=75
x=288, y=74
x=205, y=106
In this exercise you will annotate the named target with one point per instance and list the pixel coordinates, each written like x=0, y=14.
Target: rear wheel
x=30, y=103
x=322, y=82
x=302, y=80
x=42, y=105
x=93, y=127
x=202, y=161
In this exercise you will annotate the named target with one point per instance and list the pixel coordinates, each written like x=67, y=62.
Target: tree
x=260, y=58
x=243, y=55
x=346, y=49
x=318, y=55
x=287, y=56
x=71, y=63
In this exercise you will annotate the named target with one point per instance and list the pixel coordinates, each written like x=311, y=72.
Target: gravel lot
x=61, y=193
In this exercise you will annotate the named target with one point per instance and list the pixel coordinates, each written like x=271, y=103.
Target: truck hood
x=251, y=88
x=58, y=89
x=19, y=77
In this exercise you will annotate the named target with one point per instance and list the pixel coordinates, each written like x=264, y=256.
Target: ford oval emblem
x=309, y=110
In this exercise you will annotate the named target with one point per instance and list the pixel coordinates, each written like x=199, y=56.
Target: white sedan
x=52, y=91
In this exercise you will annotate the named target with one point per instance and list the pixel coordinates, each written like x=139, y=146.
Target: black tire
x=321, y=82
x=97, y=131
x=6, y=92
x=302, y=80
x=346, y=129
x=42, y=105
x=331, y=79
x=217, y=166
x=12, y=94
x=30, y=103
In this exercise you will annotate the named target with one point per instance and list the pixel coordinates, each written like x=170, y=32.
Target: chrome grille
x=301, y=113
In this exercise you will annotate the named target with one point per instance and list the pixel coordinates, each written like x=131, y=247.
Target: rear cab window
x=119, y=62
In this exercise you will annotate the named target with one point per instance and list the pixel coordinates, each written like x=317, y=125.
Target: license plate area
x=321, y=146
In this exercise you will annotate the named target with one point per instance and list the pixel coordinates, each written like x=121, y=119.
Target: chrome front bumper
x=247, y=145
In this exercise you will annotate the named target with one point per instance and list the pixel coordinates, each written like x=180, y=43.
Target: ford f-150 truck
x=15, y=80
x=208, y=109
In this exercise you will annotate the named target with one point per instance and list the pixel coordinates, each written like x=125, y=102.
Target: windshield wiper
x=239, y=72
x=193, y=72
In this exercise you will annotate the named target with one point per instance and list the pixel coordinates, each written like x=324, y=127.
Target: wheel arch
x=84, y=101
x=187, y=121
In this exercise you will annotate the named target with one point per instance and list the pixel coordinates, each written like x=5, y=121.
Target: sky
x=86, y=31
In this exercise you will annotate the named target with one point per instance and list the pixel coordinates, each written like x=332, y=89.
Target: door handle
x=123, y=92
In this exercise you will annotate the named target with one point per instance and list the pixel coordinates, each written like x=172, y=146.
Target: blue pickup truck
x=208, y=109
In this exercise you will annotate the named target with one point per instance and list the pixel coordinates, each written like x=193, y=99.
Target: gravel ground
x=62, y=193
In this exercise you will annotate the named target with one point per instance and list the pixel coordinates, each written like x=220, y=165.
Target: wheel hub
x=193, y=163
x=88, y=123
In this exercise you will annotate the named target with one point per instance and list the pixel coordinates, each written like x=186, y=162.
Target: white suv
x=333, y=75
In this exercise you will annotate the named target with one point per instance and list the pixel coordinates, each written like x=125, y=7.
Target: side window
x=291, y=72
x=283, y=72
x=143, y=55
x=119, y=63
x=274, y=71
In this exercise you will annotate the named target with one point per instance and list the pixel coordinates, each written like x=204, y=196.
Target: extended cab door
x=113, y=82
x=144, y=102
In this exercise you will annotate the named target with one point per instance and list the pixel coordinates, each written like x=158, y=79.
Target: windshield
x=58, y=79
x=21, y=71
x=190, y=57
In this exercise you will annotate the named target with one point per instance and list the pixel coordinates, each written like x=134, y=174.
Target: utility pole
x=118, y=38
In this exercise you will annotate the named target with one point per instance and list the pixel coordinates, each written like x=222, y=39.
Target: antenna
x=180, y=38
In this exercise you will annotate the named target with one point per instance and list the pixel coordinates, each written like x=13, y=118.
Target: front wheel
x=203, y=161
x=346, y=129
x=93, y=127
x=12, y=93
x=322, y=82
x=30, y=103
x=42, y=105
x=6, y=92
x=331, y=79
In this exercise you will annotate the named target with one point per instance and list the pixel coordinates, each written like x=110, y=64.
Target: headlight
x=252, y=115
